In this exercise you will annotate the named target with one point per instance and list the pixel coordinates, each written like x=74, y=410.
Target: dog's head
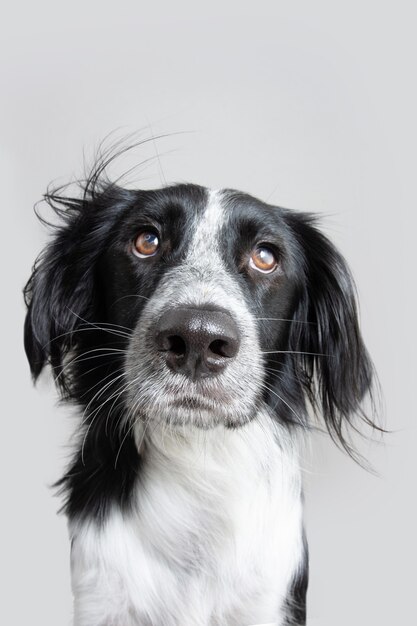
x=189, y=306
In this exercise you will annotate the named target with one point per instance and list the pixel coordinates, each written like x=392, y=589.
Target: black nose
x=197, y=342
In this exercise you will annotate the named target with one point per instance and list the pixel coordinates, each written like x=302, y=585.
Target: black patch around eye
x=248, y=228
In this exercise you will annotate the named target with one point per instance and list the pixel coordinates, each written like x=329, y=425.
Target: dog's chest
x=215, y=537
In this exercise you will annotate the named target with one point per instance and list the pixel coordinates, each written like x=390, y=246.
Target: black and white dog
x=193, y=328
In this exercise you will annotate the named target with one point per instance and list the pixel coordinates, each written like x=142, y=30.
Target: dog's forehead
x=192, y=207
x=229, y=206
x=207, y=212
x=210, y=221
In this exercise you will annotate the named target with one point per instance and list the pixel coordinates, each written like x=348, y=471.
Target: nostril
x=176, y=345
x=220, y=347
x=196, y=342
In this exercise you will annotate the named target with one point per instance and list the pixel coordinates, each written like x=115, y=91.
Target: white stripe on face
x=202, y=280
x=204, y=248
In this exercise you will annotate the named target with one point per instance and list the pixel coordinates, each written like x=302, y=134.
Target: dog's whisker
x=116, y=333
x=277, y=375
x=104, y=352
x=124, y=439
x=90, y=389
x=93, y=415
x=294, y=352
x=284, y=374
x=145, y=428
x=284, y=319
x=99, y=393
x=118, y=392
x=128, y=330
x=124, y=389
x=133, y=295
x=265, y=386
x=87, y=322
x=114, y=405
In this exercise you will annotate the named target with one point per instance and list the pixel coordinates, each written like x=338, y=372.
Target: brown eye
x=146, y=244
x=263, y=259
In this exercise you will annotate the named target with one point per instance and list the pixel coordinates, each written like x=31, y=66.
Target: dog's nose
x=197, y=342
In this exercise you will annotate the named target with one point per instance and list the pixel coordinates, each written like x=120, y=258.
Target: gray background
x=310, y=105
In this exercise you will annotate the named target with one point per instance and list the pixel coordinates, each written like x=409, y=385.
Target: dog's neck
x=189, y=454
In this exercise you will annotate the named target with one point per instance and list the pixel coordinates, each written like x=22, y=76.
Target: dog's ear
x=335, y=366
x=58, y=295
x=60, y=292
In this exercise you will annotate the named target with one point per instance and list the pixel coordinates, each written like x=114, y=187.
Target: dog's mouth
x=204, y=402
x=197, y=399
x=192, y=403
x=198, y=404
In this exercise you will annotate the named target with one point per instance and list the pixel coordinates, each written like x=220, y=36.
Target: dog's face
x=206, y=283
x=189, y=306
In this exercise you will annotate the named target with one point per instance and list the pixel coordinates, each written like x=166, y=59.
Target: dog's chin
x=193, y=412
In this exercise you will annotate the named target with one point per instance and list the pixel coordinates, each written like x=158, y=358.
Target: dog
x=197, y=331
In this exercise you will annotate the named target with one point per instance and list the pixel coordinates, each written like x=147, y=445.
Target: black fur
x=296, y=601
x=81, y=298
x=86, y=294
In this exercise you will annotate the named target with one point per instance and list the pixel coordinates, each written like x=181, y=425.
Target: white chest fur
x=213, y=537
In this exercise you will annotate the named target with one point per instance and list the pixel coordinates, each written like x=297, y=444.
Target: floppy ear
x=335, y=368
x=60, y=292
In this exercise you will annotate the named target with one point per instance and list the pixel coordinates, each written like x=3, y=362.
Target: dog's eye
x=146, y=244
x=263, y=259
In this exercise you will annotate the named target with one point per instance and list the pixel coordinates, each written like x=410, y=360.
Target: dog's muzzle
x=196, y=342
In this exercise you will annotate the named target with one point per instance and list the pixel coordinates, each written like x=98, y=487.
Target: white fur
x=214, y=535
x=213, y=539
